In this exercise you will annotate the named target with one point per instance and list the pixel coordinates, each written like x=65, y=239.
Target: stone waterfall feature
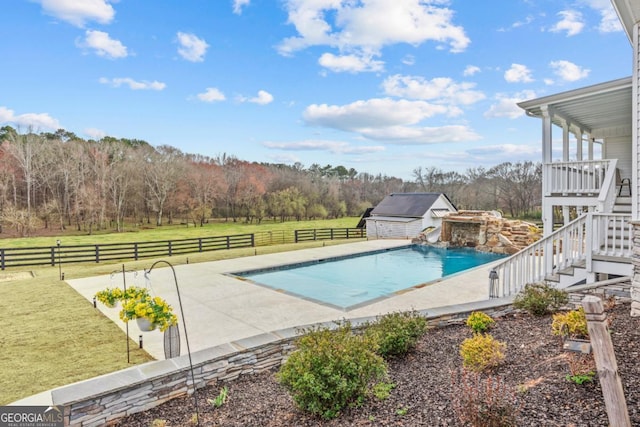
x=486, y=231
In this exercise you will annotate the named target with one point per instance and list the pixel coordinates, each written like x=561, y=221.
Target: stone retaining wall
x=619, y=290
x=98, y=401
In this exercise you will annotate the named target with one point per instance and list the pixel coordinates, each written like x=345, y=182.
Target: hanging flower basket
x=110, y=297
x=150, y=313
x=155, y=310
x=145, y=324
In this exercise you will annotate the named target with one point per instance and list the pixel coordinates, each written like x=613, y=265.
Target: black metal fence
x=56, y=255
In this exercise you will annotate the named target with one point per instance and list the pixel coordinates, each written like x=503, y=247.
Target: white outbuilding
x=406, y=215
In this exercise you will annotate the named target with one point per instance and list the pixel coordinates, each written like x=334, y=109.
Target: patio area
x=219, y=309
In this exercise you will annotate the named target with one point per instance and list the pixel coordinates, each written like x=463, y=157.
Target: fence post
x=295, y=236
x=53, y=256
x=97, y=254
x=606, y=364
x=170, y=248
x=135, y=251
x=2, y=258
x=253, y=240
x=200, y=245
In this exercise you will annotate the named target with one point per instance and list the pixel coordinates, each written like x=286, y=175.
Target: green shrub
x=479, y=322
x=570, y=324
x=482, y=352
x=332, y=369
x=539, y=299
x=396, y=333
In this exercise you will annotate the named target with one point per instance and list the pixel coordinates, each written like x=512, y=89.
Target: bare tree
x=163, y=169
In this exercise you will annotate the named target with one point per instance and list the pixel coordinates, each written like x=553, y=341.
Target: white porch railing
x=584, y=177
x=574, y=244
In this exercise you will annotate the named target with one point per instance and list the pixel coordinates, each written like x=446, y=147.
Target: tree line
x=58, y=180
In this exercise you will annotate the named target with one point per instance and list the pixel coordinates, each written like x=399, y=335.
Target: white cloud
x=518, y=73
x=286, y=158
x=510, y=149
x=440, y=89
x=78, y=12
x=404, y=135
x=388, y=120
x=609, y=21
x=373, y=113
x=103, y=44
x=96, y=134
x=133, y=84
x=349, y=63
x=506, y=105
x=505, y=153
x=36, y=121
x=192, y=48
x=335, y=147
x=571, y=22
x=238, y=5
x=409, y=60
x=364, y=28
x=263, y=98
x=211, y=94
x=470, y=70
x=568, y=71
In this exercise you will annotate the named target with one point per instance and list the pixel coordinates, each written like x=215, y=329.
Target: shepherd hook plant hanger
x=184, y=325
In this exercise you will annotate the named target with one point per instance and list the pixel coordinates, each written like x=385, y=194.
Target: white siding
x=620, y=148
x=428, y=220
x=385, y=229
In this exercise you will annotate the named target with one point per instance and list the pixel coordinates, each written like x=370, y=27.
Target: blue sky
x=383, y=86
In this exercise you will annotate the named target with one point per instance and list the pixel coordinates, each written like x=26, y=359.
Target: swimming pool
x=360, y=279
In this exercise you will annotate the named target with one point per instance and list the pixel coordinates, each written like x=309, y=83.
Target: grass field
x=52, y=336
x=174, y=232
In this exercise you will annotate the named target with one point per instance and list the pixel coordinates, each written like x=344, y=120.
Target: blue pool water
x=355, y=280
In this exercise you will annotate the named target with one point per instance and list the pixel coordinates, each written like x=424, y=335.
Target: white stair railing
x=574, y=244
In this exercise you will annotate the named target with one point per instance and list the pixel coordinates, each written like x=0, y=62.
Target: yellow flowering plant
x=111, y=296
x=155, y=309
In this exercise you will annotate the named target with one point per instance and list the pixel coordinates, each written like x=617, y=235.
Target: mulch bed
x=534, y=371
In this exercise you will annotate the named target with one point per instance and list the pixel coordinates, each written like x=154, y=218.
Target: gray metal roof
x=597, y=109
x=412, y=205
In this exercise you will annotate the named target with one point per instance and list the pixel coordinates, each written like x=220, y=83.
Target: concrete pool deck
x=219, y=309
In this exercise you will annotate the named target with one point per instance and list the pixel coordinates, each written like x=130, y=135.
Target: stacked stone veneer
x=635, y=280
x=101, y=400
x=488, y=232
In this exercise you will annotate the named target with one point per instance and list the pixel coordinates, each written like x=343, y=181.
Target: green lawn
x=174, y=232
x=52, y=336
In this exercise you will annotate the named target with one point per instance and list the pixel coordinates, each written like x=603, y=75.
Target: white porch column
x=590, y=154
x=547, y=208
x=565, y=142
x=566, y=218
x=579, y=136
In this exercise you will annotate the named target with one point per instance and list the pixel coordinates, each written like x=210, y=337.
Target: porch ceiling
x=594, y=109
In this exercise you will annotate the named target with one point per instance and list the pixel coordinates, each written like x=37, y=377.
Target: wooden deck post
x=606, y=362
